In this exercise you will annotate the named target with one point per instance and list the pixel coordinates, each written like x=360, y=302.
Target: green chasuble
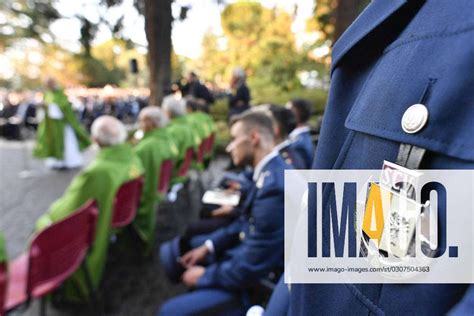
x=3, y=250
x=100, y=181
x=50, y=135
x=201, y=129
x=210, y=127
x=155, y=147
x=182, y=133
x=199, y=126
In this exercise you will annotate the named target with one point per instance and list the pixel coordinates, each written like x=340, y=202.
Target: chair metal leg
x=95, y=303
x=43, y=303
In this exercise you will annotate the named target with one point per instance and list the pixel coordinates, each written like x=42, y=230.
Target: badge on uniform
x=391, y=212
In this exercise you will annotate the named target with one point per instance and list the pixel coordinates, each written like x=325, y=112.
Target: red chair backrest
x=188, y=158
x=166, y=171
x=126, y=202
x=201, y=151
x=3, y=287
x=57, y=251
x=210, y=143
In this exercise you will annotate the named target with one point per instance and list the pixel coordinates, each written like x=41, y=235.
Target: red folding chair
x=188, y=158
x=201, y=151
x=54, y=255
x=166, y=172
x=3, y=287
x=210, y=144
x=126, y=203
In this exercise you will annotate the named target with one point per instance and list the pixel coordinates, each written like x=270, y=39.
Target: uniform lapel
x=377, y=12
x=247, y=206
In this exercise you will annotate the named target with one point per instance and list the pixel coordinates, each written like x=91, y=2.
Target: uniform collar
x=265, y=160
x=298, y=131
x=373, y=15
x=282, y=145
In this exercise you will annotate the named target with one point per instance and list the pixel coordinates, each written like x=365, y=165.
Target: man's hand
x=224, y=210
x=194, y=256
x=192, y=275
x=233, y=186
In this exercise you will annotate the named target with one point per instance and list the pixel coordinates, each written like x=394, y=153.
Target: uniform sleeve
x=259, y=253
x=226, y=237
x=466, y=305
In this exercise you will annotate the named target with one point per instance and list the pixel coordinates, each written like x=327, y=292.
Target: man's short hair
x=155, y=115
x=175, y=107
x=108, y=131
x=284, y=118
x=255, y=119
x=303, y=109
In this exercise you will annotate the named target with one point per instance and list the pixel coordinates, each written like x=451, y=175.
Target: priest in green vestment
x=60, y=136
x=209, y=121
x=155, y=147
x=199, y=122
x=115, y=164
x=180, y=130
x=3, y=250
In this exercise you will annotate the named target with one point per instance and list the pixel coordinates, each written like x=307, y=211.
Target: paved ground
x=132, y=285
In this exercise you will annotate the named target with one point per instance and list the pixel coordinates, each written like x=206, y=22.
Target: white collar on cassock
x=298, y=131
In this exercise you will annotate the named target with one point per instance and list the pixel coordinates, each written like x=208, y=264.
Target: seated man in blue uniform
x=225, y=263
x=301, y=135
x=214, y=217
x=401, y=78
x=285, y=123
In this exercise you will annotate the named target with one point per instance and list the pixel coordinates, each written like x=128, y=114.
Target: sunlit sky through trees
x=187, y=35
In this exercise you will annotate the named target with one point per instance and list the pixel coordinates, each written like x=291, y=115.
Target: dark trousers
x=207, y=301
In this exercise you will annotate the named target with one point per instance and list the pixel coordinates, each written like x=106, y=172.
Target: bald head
x=174, y=107
x=151, y=117
x=108, y=131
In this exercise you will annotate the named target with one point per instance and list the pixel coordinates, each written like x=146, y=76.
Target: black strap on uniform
x=410, y=156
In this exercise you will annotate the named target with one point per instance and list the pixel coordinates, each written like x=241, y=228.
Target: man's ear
x=94, y=140
x=276, y=131
x=254, y=137
x=148, y=123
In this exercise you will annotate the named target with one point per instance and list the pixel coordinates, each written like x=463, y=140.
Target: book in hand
x=220, y=197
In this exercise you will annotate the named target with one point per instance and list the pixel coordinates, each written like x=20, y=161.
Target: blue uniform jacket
x=303, y=145
x=396, y=54
x=261, y=233
x=293, y=156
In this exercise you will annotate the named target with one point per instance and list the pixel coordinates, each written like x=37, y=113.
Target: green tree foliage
x=26, y=19
x=258, y=39
x=88, y=33
x=332, y=17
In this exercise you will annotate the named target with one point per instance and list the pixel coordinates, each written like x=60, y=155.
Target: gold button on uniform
x=414, y=118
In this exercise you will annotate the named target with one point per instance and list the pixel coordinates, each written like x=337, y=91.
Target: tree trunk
x=158, y=19
x=346, y=12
